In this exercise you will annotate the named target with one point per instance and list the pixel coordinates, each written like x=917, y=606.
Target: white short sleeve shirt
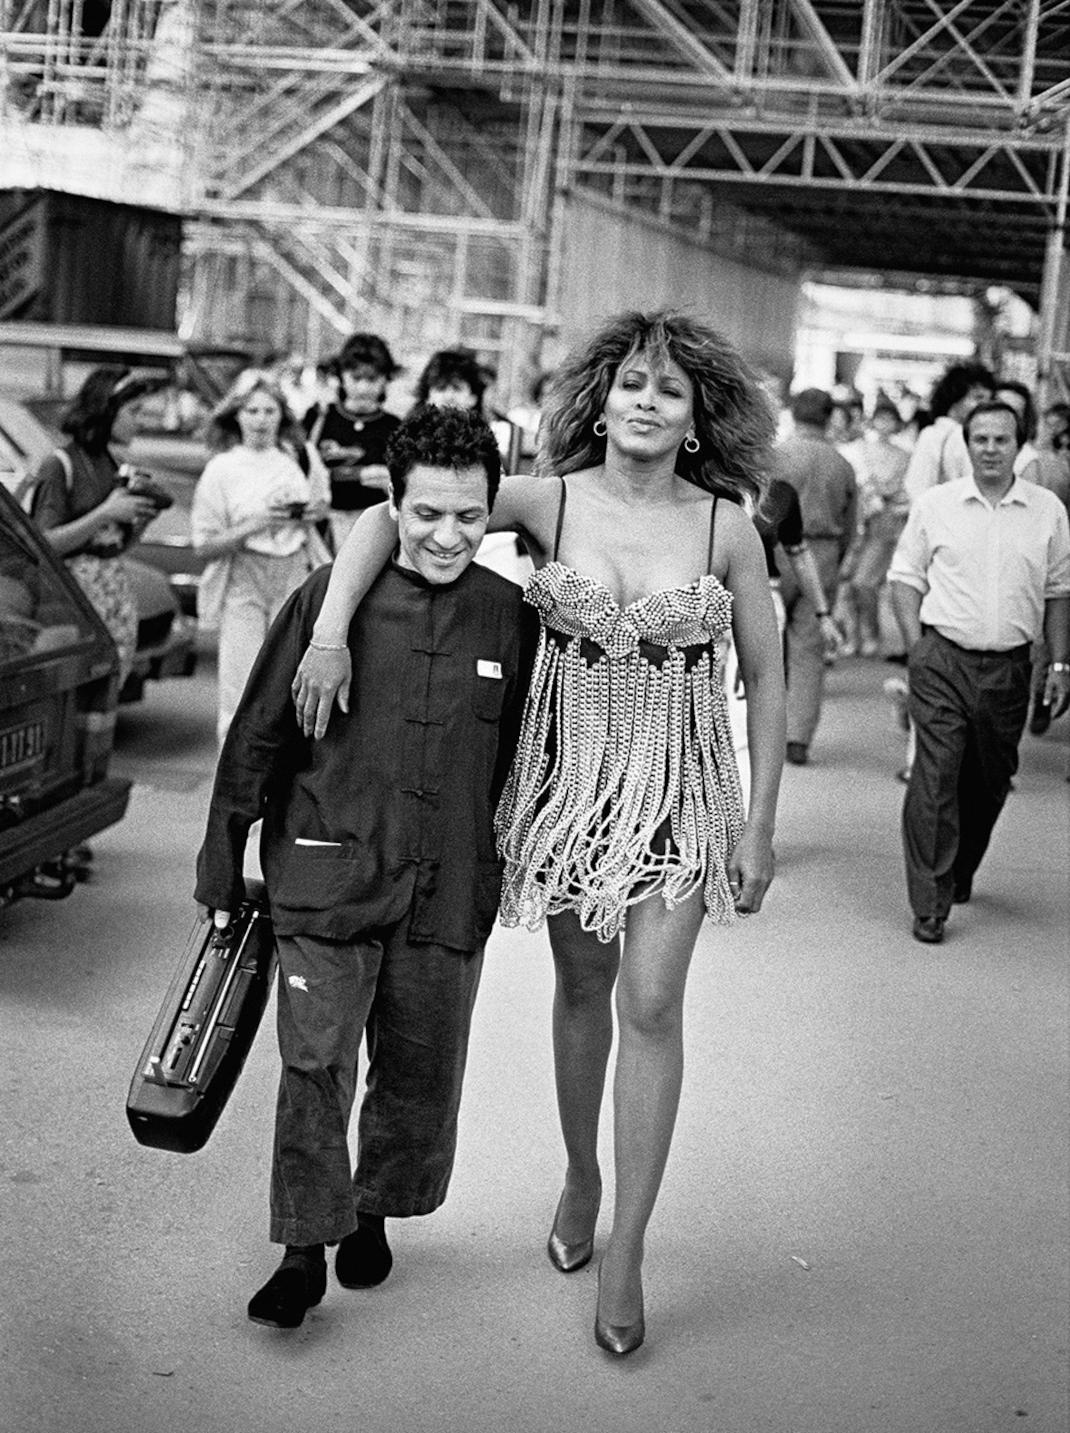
x=985, y=570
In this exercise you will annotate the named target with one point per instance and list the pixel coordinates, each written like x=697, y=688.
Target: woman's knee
x=654, y=1012
x=585, y=968
x=585, y=984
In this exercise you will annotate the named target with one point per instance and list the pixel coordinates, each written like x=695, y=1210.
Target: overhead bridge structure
x=409, y=164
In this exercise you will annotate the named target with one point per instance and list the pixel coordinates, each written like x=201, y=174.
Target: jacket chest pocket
x=488, y=693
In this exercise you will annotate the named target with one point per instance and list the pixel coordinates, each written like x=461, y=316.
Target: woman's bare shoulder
x=735, y=538
x=733, y=516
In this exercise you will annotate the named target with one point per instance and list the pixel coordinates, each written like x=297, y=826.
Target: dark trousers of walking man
x=969, y=710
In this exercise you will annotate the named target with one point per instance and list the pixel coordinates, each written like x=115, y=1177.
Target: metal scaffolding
x=406, y=164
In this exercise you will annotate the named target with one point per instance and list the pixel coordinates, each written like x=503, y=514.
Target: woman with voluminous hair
x=622, y=823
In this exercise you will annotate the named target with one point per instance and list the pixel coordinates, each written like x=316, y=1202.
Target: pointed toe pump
x=566, y=1257
x=618, y=1339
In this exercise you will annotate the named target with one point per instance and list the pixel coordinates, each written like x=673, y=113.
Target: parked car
x=58, y=694
x=45, y=364
x=166, y=642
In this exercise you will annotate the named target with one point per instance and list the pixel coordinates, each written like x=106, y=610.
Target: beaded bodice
x=576, y=605
x=624, y=781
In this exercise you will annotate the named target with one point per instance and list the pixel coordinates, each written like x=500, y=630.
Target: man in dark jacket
x=379, y=859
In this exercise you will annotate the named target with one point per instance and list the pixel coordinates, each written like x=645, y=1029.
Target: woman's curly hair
x=733, y=417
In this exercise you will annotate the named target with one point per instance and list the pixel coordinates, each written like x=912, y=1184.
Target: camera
x=143, y=485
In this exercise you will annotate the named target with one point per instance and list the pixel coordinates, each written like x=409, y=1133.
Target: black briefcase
x=204, y=1029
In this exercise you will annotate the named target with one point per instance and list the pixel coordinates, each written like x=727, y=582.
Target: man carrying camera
x=380, y=864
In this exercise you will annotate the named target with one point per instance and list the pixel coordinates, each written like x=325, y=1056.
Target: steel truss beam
x=387, y=147
x=834, y=156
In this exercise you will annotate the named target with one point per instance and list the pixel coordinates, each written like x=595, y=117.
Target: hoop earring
x=599, y=428
x=691, y=443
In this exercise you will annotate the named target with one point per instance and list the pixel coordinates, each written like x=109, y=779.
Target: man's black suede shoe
x=363, y=1259
x=929, y=929
x=296, y=1286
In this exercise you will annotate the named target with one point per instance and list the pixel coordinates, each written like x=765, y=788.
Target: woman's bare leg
x=650, y=999
x=586, y=970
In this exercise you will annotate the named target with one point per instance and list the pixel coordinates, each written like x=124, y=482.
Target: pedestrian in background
x=455, y=378
x=778, y=518
x=80, y=499
x=828, y=495
x=982, y=568
x=847, y=430
x=1051, y=470
x=1054, y=431
x=882, y=514
x=940, y=454
x=253, y=518
x=350, y=434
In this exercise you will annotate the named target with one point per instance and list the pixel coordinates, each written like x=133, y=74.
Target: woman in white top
x=253, y=518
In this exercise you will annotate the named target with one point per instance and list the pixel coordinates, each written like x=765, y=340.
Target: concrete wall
x=613, y=262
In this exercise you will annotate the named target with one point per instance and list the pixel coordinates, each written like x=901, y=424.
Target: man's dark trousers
x=968, y=710
x=416, y=1002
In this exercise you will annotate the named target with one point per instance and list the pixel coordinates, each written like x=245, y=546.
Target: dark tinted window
x=37, y=613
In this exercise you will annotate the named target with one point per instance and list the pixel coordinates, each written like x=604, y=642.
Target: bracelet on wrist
x=1060, y=666
x=327, y=646
x=821, y=616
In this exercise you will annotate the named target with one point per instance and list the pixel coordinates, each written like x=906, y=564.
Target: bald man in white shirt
x=981, y=569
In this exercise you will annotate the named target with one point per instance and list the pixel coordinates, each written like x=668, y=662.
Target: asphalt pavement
x=863, y=1226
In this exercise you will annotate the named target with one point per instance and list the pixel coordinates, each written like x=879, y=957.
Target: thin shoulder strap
x=713, y=515
x=560, y=520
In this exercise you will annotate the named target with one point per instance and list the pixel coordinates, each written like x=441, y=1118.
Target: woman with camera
x=253, y=518
x=89, y=507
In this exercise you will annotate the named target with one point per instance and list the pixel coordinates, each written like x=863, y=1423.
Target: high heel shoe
x=618, y=1339
x=564, y=1256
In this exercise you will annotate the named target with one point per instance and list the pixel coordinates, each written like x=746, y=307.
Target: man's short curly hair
x=443, y=438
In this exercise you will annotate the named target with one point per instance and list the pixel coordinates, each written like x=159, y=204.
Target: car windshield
x=38, y=614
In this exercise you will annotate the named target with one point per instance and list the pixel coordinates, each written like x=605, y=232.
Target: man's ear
x=392, y=507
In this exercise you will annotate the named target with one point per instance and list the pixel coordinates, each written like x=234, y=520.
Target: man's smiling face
x=441, y=520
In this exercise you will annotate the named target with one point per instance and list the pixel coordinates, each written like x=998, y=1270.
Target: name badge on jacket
x=488, y=669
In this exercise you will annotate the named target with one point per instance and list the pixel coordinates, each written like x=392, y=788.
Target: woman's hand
x=123, y=506
x=322, y=676
x=750, y=870
x=831, y=637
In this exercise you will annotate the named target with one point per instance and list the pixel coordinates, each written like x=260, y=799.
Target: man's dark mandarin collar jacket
x=392, y=811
